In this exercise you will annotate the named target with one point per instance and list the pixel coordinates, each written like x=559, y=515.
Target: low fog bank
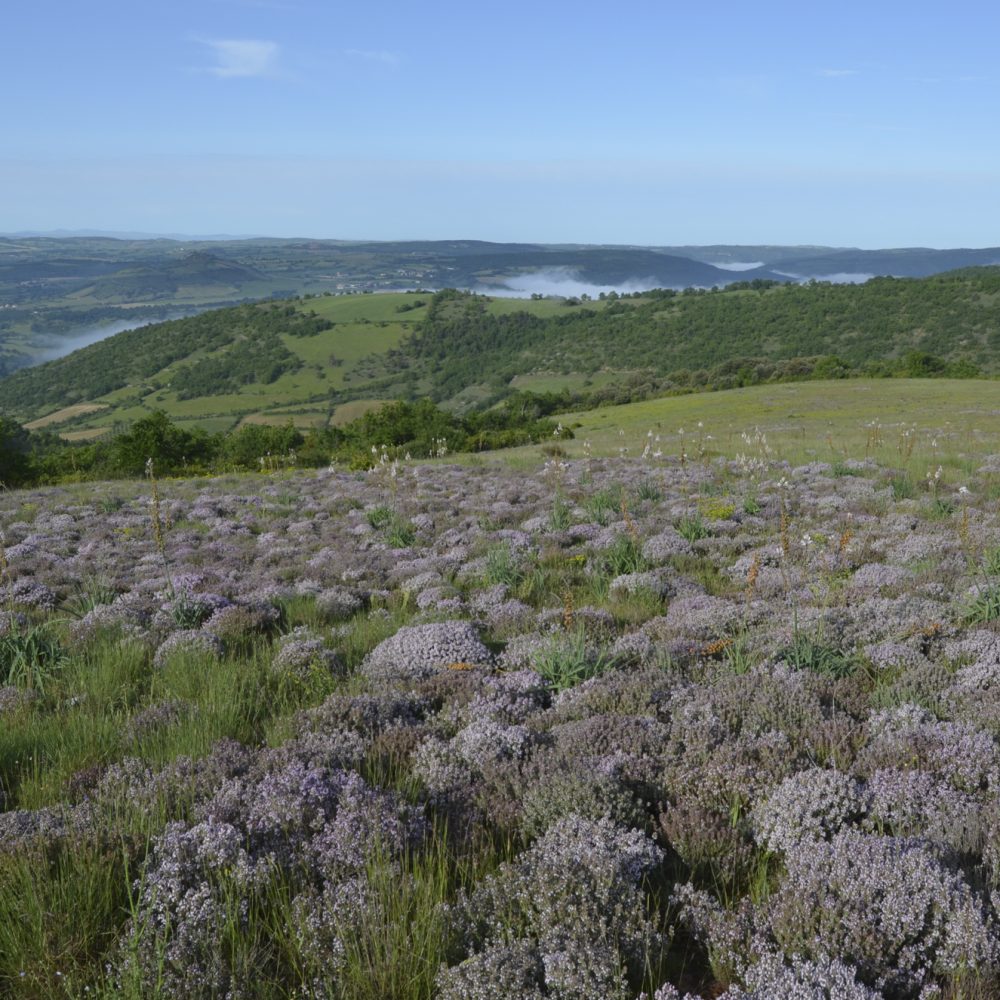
x=561, y=283
x=737, y=265
x=564, y=283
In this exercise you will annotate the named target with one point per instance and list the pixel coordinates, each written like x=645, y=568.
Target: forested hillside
x=55, y=289
x=308, y=358
x=212, y=353
x=954, y=317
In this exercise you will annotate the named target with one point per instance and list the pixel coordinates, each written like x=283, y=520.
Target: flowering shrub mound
x=573, y=902
x=808, y=805
x=652, y=729
x=887, y=905
x=418, y=650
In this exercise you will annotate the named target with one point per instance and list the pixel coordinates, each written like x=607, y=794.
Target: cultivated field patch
x=65, y=414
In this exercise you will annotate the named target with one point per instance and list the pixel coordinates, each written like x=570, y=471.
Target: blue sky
x=641, y=123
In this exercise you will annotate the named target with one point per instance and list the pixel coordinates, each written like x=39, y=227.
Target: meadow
x=620, y=718
x=954, y=421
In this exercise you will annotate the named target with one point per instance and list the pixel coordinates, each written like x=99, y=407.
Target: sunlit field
x=906, y=423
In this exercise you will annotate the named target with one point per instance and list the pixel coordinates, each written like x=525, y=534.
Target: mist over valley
x=61, y=293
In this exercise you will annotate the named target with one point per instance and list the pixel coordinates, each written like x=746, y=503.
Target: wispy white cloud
x=374, y=55
x=835, y=73
x=242, y=57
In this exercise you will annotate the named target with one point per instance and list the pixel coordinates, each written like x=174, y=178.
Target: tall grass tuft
x=30, y=655
x=61, y=909
x=567, y=659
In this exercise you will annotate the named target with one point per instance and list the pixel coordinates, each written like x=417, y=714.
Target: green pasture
x=916, y=424
x=217, y=424
x=349, y=343
x=304, y=418
x=84, y=434
x=538, y=307
x=293, y=388
x=303, y=421
x=346, y=412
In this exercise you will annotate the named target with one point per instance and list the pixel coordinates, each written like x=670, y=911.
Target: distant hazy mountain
x=56, y=286
x=114, y=234
x=197, y=269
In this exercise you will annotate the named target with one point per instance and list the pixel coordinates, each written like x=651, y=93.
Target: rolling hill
x=56, y=289
x=198, y=273
x=325, y=359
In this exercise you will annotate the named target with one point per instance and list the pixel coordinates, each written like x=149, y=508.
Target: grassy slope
x=63, y=906
x=921, y=423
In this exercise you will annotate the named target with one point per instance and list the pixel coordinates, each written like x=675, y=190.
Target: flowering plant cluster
x=606, y=730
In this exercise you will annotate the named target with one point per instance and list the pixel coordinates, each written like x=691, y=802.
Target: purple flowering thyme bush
x=659, y=727
x=888, y=905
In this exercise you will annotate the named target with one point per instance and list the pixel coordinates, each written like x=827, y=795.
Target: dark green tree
x=14, y=447
x=156, y=437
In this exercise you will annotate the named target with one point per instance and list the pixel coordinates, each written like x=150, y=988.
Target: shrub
x=809, y=805
x=583, y=793
x=886, y=905
x=576, y=896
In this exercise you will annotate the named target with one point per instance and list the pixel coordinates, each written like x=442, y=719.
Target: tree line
x=396, y=430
